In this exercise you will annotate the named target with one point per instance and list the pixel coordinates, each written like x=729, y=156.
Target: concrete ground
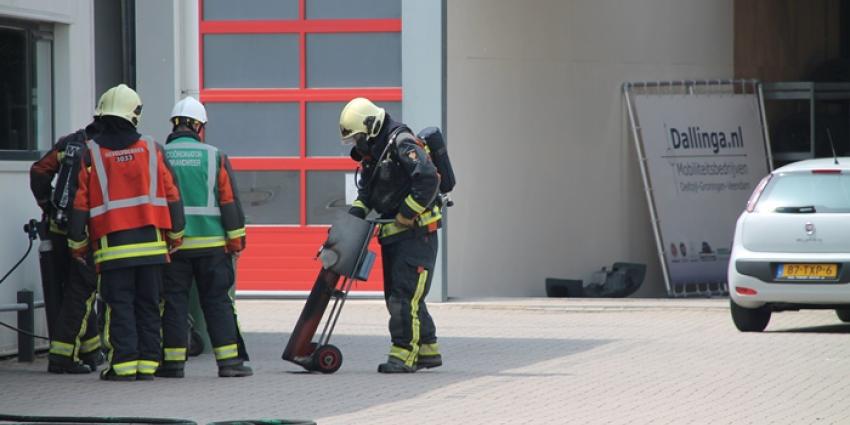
x=548, y=361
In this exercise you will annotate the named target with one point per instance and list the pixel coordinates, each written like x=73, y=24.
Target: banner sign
x=705, y=153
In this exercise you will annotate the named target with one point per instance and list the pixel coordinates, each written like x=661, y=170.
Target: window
x=26, y=92
x=806, y=192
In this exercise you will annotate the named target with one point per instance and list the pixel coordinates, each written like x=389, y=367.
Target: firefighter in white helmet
x=215, y=233
x=399, y=181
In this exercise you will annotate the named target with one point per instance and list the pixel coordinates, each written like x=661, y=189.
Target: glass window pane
x=353, y=9
x=269, y=197
x=354, y=60
x=325, y=195
x=230, y=10
x=254, y=129
x=791, y=192
x=323, y=127
x=251, y=61
x=14, y=96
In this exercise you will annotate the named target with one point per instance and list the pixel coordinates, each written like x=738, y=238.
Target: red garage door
x=274, y=77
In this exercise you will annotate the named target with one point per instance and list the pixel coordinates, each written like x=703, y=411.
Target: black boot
x=93, y=359
x=109, y=376
x=234, y=371
x=62, y=364
x=395, y=365
x=170, y=370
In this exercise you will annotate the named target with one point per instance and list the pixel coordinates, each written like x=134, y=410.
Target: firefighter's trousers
x=74, y=332
x=408, y=268
x=214, y=274
x=132, y=318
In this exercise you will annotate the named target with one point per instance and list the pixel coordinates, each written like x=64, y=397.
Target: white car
x=792, y=244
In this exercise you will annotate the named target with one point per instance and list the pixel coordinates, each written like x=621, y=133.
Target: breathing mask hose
x=31, y=229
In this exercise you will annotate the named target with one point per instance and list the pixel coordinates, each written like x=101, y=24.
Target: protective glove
x=357, y=212
x=46, y=207
x=234, y=246
x=404, y=221
x=174, y=243
x=79, y=253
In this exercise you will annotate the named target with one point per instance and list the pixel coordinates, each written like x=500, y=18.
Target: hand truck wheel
x=327, y=359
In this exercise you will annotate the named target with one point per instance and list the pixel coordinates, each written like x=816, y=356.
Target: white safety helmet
x=120, y=101
x=189, y=107
x=360, y=116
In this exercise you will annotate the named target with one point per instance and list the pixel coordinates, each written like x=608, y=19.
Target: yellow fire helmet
x=360, y=116
x=120, y=101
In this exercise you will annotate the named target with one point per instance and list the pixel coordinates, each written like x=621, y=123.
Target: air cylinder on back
x=433, y=137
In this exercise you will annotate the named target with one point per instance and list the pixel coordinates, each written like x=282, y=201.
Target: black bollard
x=26, y=323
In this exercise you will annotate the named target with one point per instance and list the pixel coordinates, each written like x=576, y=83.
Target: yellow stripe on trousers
x=414, y=317
x=89, y=345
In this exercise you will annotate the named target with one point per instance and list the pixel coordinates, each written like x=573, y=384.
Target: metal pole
x=649, y=200
x=812, y=130
x=26, y=323
x=764, y=129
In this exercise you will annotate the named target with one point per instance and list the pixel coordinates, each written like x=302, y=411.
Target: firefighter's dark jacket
x=232, y=215
x=117, y=134
x=43, y=170
x=405, y=182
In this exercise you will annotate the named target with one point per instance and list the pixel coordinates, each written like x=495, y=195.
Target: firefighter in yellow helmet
x=128, y=201
x=399, y=181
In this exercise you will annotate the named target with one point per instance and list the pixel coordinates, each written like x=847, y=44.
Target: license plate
x=807, y=271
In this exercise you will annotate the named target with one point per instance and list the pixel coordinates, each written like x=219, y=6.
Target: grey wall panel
x=353, y=9
x=269, y=197
x=538, y=136
x=323, y=138
x=254, y=129
x=156, y=81
x=423, y=79
x=325, y=195
x=354, y=60
x=251, y=61
x=228, y=10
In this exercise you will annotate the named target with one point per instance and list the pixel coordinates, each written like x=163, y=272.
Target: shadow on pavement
x=357, y=385
x=825, y=329
x=281, y=389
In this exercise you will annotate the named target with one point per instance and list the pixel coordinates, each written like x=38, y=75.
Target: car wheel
x=844, y=315
x=749, y=319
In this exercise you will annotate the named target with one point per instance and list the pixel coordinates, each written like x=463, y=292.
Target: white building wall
x=73, y=107
x=549, y=184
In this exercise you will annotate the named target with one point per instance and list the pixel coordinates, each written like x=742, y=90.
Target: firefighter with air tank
x=398, y=181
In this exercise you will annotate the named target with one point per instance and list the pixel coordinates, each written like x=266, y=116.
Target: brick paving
x=542, y=361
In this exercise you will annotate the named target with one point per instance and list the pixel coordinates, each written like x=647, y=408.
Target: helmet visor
x=354, y=139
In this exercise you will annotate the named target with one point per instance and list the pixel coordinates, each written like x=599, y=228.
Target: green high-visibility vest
x=195, y=167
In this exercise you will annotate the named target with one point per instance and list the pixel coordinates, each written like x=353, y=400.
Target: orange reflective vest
x=127, y=189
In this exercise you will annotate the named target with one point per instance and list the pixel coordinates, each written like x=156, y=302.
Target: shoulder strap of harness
x=390, y=142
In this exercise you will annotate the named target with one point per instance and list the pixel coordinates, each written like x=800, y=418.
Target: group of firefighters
x=138, y=223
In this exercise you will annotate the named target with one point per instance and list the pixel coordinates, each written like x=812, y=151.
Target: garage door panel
x=271, y=81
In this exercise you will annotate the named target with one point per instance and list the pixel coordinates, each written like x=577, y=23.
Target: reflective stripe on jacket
x=213, y=212
x=127, y=190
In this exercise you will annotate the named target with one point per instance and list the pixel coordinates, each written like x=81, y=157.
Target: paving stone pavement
x=519, y=361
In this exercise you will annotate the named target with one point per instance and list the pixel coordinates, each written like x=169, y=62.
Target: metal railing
x=26, y=323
